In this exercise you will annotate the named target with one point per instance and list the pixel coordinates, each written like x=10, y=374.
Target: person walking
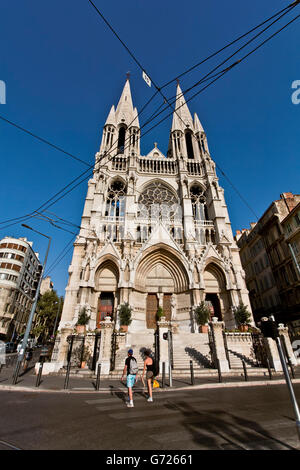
x=28, y=357
x=149, y=369
x=131, y=369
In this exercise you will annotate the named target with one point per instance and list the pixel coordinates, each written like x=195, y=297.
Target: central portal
x=152, y=307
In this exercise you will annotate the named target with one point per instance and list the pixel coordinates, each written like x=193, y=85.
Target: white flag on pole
x=146, y=78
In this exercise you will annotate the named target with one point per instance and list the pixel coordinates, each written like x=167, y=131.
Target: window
x=198, y=203
x=297, y=219
x=158, y=203
x=121, y=140
x=189, y=144
x=115, y=203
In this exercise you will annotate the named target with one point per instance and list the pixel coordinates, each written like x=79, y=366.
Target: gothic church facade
x=155, y=230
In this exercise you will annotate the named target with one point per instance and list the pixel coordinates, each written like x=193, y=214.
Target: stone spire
x=182, y=118
x=125, y=112
x=197, y=124
x=111, y=118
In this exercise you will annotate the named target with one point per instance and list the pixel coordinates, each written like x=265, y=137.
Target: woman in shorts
x=148, y=368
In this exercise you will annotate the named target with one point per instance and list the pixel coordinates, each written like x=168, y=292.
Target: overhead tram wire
x=230, y=44
x=289, y=7
x=27, y=216
x=228, y=68
x=73, y=181
x=204, y=79
x=60, y=257
x=153, y=116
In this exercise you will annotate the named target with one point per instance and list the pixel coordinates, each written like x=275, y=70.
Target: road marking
x=11, y=446
x=157, y=423
x=99, y=401
x=111, y=407
x=143, y=414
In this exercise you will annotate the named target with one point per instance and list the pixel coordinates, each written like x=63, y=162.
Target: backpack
x=133, y=367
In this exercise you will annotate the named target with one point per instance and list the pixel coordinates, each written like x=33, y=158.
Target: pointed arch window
x=198, y=203
x=115, y=203
x=121, y=139
x=189, y=144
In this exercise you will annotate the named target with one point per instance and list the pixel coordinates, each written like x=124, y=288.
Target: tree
x=241, y=314
x=202, y=313
x=48, y=307
x=125, y=313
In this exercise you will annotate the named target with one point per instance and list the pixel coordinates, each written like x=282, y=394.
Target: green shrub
x=241, y=314
x=159, y=313
x=125, y=313
x=83, y=317
x=202, y=313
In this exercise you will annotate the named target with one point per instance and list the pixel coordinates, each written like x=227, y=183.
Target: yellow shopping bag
x=155, y=384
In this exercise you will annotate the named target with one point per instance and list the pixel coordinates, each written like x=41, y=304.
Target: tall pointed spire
x=182, y=117
x=124, y=111
x=197, y=124
x=111, y=118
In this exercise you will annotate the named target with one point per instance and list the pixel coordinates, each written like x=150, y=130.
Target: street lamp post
x=33, y=308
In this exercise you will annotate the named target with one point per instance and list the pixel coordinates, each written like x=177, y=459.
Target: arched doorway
x=215, y=290
x=106, y=286
x=214, y=301
x=159, y=275
x=105, y=306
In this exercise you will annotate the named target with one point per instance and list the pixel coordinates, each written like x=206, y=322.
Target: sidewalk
x=55, y=383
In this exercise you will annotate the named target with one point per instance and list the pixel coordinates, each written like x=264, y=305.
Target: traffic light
x=269, y=329
x=165, y=335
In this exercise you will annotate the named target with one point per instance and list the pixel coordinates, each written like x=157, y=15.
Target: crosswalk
x=177, y=421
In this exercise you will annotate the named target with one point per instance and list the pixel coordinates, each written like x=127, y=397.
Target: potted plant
x=83, y=319
x=125, y=313
x=159, y=314
x=202, y=314
x=242, y=316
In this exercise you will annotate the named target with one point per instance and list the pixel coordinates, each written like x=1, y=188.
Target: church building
x=155, y=231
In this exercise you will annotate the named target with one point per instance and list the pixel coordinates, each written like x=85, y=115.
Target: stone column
x=284, y=335
x=164, y=326
x=59, y=356
x=63, y=345
x=107, y=327
x=273, y=354
x=219, y=348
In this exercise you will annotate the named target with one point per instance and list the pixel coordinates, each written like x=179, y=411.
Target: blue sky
x=63, y=69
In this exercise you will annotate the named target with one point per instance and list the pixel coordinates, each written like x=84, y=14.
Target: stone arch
x=157, y=180
x=106, y=289
x=107, y=274
x=170, y=263
x=215, y=288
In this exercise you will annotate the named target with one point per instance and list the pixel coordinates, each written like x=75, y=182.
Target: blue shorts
x=130, y=380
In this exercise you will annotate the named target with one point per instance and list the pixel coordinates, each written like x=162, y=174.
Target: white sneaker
x=130, y=405
x=150, y=399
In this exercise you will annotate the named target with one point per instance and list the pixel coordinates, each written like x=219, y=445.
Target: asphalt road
x=247, y=418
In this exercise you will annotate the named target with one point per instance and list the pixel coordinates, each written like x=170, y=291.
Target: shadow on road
x=237, y=432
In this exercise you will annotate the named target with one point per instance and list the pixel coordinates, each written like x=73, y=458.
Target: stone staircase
x=236, y=359
x=186, y=347
x=138, y=342
x=190, y=347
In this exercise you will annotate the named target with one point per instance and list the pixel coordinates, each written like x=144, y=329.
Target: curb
x=13, y=388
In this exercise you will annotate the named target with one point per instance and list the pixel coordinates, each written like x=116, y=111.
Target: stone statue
x=173, y=307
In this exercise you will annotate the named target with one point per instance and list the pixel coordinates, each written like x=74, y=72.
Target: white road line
x=130, y=414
